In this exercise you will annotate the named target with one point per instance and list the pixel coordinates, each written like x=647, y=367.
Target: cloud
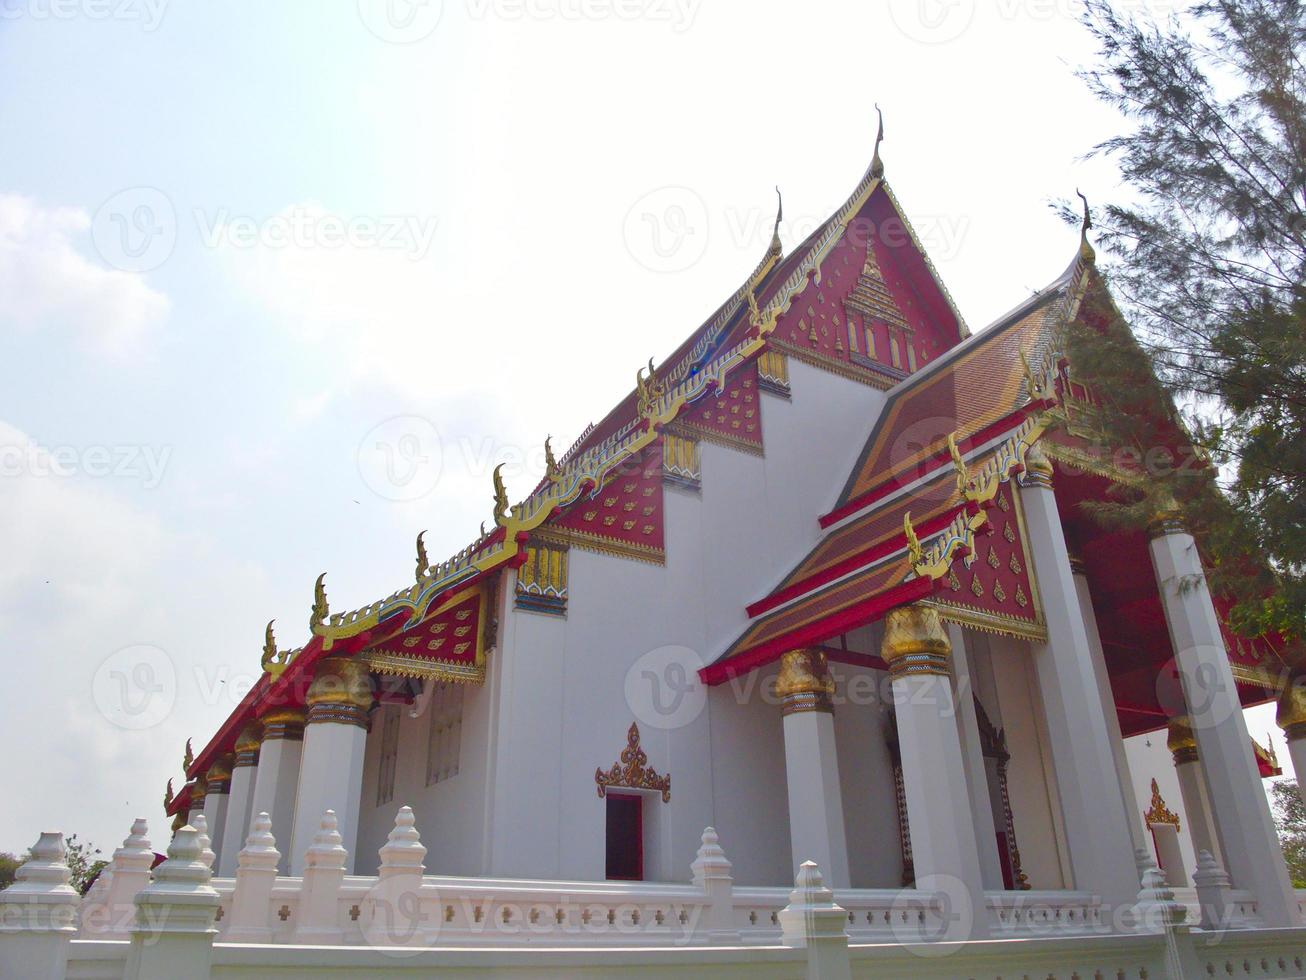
x=46, y=283
x=117, y=663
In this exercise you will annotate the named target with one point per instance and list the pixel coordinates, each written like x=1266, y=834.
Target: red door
x=625, y=853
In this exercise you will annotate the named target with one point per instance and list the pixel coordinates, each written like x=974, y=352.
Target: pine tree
x=1209, y=256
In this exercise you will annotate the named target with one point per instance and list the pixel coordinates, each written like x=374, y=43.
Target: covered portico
x=959, y=538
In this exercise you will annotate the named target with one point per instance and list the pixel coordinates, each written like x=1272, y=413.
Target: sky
x=281, y=282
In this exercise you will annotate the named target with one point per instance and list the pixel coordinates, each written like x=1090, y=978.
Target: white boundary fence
x=179, y=922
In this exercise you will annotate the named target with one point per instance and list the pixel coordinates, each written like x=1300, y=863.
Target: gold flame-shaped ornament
x=964, y=486
x=647, y=391
x=422, y=562
x=1033, y=385
x=754, y=314
x=551, y=468
x=500, y=498
x=914, y=550
x=320, y=610
x=187, y=759
x=273, y=661
x=167, y=795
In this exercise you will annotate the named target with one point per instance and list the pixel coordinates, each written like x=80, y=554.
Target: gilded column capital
x=198, y=790
x=915, y=643
x=218, y=777
x=1291, y=714
x=1038, y=468
x=805, y=683
x=1180, y=741
x=283, y=723
x=247, y=745
x=1168, y=518
x=1077, y=566
x=341, y=693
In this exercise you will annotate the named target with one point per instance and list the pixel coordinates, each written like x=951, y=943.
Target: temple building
x=821, y=583
x=864, y=523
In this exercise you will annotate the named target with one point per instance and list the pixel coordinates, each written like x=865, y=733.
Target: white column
x=945, y=853
x=1133, y=814
x=239, y=799
x=972, y=753
x=1292, y=719
x=331, y=770
x=1252, y=854
x=1192, y=788
x=816, y=830
x=276, y=779
x=1097, y=830
x=217, y=802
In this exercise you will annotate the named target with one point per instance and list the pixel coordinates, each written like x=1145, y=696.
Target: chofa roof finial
x=779, y=217
x=320, y=611
x=877, y=163
x=500, y=497
x=1085, y=249
x=423, y=563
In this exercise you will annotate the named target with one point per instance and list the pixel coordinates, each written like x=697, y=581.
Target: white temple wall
x=451, y=812
x=751, y=805
x=1031, y=781
x=563, y=709
x=1148, y=758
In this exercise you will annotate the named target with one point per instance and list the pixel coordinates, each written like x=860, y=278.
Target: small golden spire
x=1034, y=386
x=422, y=562
x=647, y=391
x=188, y=758
x=1085, y=249
x=320, y=609
x=877, y=163
x=167, y=795
x=959, y=464
x=269, y=646
x=551, y=468
x=776, y=247
x=500, y=498
x=914, y=549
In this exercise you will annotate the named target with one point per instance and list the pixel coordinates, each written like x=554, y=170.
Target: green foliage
x=1209, y=267
x=82, y=862
x=1290, y=819
x=8, y=865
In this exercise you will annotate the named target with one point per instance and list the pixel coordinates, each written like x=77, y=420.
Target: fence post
x=256, y=874
x=813, y=920
x=110, y=911
x=173, y=935
x=1215, y=896
x=38, y=914
x=318, y=921
x=1156, y=911
x=712, y=875
x=392, y=911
